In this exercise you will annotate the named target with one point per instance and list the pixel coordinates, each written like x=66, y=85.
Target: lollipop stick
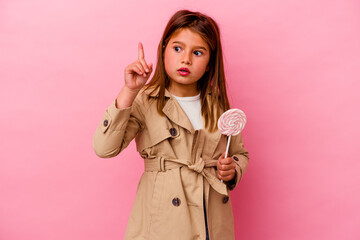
x=227, y=147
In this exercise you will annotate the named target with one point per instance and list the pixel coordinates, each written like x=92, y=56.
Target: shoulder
x=143, y=100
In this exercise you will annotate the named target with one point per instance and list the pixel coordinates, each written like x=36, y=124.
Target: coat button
x=176, y=202
x=236, y=158
x=172, y=131
x=106, y=122
x=225, y=199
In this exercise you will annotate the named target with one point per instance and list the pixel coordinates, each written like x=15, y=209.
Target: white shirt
x=192, y=108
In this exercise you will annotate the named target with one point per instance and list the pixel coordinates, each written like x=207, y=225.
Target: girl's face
x=186, y=59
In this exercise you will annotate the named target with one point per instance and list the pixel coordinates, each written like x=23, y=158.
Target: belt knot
x=198, y=166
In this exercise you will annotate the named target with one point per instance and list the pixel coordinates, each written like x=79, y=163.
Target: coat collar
x=174, y=111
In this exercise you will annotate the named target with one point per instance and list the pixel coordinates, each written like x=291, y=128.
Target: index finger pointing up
x=141, y=51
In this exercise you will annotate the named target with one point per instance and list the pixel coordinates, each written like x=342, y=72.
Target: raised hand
x=138, y=72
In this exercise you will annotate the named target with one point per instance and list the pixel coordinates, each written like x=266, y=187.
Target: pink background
x=292, y=66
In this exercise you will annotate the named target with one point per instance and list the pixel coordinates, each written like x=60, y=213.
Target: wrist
x=130, y=91
x=126, y=97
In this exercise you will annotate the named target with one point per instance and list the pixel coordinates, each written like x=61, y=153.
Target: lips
x=183, y=71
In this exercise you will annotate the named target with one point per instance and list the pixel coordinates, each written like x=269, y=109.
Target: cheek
x=167, y=66
x=168, y=62
x=202, y=65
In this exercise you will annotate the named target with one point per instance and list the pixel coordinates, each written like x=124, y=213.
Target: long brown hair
x=211, y=85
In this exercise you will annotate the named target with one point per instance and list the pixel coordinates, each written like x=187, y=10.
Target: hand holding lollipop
x=231, y=123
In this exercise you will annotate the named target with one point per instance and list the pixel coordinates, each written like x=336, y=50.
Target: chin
x=185, y=82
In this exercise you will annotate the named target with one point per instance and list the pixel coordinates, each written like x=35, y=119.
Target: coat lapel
x=176, y=114
x=172, y=109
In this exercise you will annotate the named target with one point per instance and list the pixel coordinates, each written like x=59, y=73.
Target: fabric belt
x=161, y=164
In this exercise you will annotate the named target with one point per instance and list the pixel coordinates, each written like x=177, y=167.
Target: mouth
x=183, y=71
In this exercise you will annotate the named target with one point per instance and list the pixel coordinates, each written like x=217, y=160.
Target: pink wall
x=292, y=66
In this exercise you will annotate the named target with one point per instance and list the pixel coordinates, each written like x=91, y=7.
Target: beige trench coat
x=180, y=170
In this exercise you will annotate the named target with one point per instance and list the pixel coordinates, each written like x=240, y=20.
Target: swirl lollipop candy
x=231, y=123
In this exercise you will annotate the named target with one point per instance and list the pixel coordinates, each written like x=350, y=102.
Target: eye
x=177, y=49
x=198, y=53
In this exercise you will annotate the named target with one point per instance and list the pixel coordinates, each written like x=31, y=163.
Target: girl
x=173, y=119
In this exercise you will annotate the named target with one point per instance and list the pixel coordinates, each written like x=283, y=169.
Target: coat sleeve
x=241, y=159
x=116, y=129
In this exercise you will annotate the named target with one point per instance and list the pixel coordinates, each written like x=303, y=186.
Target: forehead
x=188, y=37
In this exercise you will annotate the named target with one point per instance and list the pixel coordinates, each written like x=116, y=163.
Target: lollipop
x=231, y=123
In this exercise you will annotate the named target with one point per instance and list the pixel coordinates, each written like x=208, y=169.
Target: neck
x=183, y=90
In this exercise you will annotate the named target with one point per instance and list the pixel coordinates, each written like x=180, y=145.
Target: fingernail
x=147, y=70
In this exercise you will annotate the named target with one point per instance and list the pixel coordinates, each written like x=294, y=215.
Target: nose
x=186, y=59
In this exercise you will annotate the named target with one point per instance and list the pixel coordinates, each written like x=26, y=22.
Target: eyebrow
x=181, y=43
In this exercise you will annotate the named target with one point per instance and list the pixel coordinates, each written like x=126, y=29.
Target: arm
x=116, y=129
x=123, y=118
